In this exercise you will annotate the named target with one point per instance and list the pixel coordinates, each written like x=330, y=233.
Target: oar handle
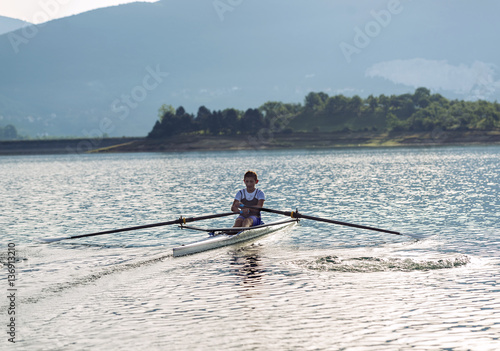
x=285, y=213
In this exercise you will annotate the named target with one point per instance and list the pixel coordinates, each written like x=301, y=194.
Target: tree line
x=223, y=122
x=417, y=112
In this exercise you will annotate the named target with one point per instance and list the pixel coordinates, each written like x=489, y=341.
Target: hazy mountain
x=109, y=70
x=8, y=24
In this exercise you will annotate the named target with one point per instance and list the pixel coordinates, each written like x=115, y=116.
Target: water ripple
x=311, y=287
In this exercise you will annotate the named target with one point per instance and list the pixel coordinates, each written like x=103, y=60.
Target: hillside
x=107, y=71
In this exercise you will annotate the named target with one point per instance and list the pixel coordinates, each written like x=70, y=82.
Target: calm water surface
x=313, y=286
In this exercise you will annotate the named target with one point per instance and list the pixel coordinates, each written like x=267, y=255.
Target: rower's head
x=250, y=179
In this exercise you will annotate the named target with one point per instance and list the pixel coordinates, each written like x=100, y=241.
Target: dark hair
x=250, y=174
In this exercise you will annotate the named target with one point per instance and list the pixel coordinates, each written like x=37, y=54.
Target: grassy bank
x=58, y=146
x=304, y=141
x=264, y=141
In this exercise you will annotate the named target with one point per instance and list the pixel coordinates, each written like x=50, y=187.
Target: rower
x=249, y=196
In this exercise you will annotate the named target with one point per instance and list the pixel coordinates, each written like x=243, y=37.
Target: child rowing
x=249, y=196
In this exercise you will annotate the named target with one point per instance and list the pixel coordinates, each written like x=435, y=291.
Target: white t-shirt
x=259, y=194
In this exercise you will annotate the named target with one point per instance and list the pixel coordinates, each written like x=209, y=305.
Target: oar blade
x=51, y=240
x=415, y=236
x=326, y=220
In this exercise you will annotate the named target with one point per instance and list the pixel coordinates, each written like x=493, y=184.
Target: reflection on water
x=247, y=265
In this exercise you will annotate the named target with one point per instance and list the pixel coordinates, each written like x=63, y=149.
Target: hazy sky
x=39, y=11
x=445, y=45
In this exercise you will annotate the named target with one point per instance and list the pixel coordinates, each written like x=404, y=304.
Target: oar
x=180, y=220
x=300, y=215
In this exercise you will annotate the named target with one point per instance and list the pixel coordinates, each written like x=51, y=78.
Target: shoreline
x=57, y=146
x=260, y=141
x=305, y=141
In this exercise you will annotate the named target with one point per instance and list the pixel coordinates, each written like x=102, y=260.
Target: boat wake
x=90, y=278
x=376, y=264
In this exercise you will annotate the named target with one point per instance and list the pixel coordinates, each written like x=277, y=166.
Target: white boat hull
x=221, y=240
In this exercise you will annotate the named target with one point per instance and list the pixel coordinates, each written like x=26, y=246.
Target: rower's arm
x=259, y=204
x=235, y=207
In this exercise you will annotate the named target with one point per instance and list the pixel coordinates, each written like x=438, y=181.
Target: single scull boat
x=219, y=237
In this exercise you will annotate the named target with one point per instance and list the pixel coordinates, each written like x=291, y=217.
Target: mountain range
x=11, y=24
x=108, y=71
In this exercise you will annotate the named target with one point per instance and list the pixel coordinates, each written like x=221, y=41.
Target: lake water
x=312, y=286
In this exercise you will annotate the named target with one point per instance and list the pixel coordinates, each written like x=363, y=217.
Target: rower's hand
x=243, y=209
x=237, y=207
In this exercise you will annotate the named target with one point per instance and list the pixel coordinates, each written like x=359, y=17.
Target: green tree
x=421, y=97
x=485, y=116
x=372, y=103
x=252, y=121
x=336, y=104
x=402, y=106
x=271, y=109
x=165, y=126
x=172, y=122
x=164, y=110
x=180, y=111
x=315, y=101
x=202, y=119
x=394, y=124
x=231, y=121
x=354, y=105
x=215, y=123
